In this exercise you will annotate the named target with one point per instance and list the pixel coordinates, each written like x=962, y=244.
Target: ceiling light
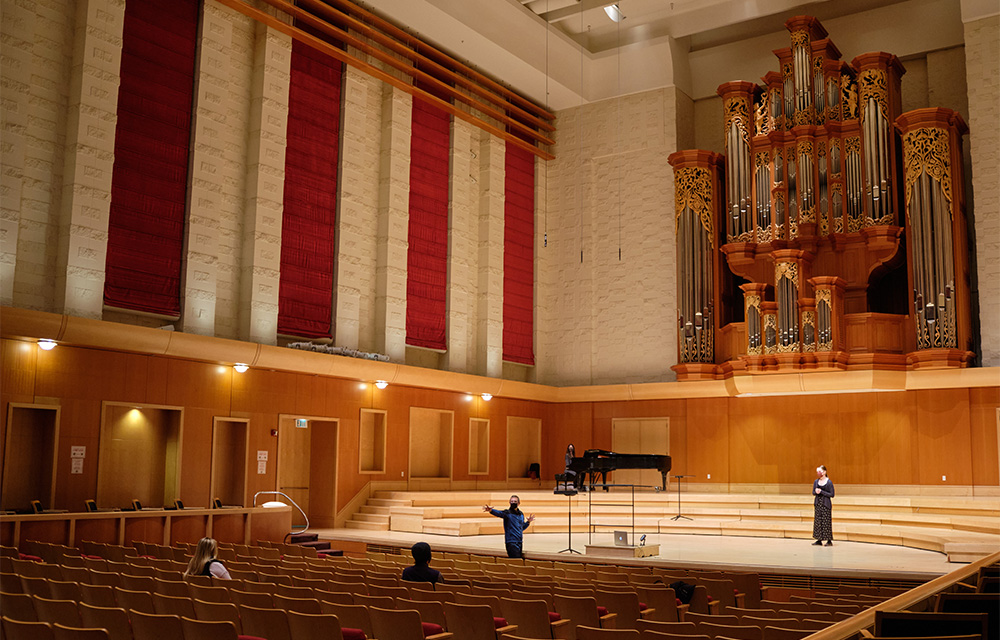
x=240, y=367
x=381, y=384
x=46, y=345
x=487, y=397
x=614, y=12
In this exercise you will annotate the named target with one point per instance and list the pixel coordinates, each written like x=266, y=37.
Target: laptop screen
x=621, y=538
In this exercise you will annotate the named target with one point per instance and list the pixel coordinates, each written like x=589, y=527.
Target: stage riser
x=972, y=525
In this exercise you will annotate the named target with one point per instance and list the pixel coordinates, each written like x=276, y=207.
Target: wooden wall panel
x=707, y=450
x=896, y=448
x=144, y=529
x=751, y=457
x=984, y=419
x=102, y=530
x=944, y=439
x=229, y=527
x=323, y=477
x=880, y=438
x=187, y=528
x=55, y=531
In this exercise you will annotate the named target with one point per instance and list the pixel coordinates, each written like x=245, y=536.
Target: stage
x=765, y=555
x=911, y=537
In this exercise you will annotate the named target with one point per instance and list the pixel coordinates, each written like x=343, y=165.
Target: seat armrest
x=647, y=611
x=682, y=609
x=608, y=621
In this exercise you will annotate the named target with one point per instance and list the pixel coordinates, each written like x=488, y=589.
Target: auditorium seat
x=146, y=626
x=662, y=602
x=404, y=624
x=63, y=612
x=474, y=622
x=113, y=619
x=307, y=626
x=264, y=623
x=907, y=623
x=532, y=617
x=595, y=633
x=208, y=629
x=18, y=606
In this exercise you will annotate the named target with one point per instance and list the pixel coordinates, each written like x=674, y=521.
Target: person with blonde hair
x=205, y=563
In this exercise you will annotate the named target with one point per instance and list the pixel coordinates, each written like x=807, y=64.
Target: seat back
x=147, y=626
x=662, y=600
x=308, y=625
x=135, y=600
x=530, y=616
x=401, y=624
x=578, y=610
x=23, y=630
x=63, y=612
x=208, y=629
x=351, y=616
x=429, y=610
x=470, y=621
x=300, y=605
x=218, y=612
x=265, y=623
x=987, y=603
x=112, y=619
x=623, y=603
x=18, y=606
x=171, y=606
x=594, y=633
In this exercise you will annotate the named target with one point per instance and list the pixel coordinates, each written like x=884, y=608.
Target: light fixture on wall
x=468, y=397
x=487, y=397
x=240, y=367
x=614, y=12
x=381, y=384
x=46, y=344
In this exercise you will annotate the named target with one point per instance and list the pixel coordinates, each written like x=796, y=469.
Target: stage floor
x=767, y=555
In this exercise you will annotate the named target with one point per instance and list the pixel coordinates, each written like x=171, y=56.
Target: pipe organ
x=794, y=245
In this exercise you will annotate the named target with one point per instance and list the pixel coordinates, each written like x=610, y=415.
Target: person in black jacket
x=421, y=571
x=822, y=508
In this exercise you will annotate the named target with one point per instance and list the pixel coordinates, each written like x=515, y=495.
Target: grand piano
x=599, y=461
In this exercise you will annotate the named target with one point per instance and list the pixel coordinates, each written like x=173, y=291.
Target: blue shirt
x=514, y=525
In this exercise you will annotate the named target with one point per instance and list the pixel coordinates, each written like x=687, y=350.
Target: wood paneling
x=104, y=530
x=55, y=531
x=145, y=529
x=139, y=456
x=894, y=438
x=187, y=528
x=229, y=527
x=944, y=440
x=324, y=470
x=707, y=450
x=984, y=419
x=29, y=470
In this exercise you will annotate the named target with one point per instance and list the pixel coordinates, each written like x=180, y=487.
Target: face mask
x=513, y=505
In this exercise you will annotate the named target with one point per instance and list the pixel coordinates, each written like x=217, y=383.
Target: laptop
x=621, y=539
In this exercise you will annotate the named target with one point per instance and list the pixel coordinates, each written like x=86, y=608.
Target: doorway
x=307, y=467
x=30, y=453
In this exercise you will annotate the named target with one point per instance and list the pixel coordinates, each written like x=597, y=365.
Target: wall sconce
x=468, y=397
x=614, y=12
x=381, y=384
x=240, y=367
x=487, y=396
x=46, y=344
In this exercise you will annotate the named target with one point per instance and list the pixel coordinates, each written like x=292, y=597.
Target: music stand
x=569, y=491
x=679, y=516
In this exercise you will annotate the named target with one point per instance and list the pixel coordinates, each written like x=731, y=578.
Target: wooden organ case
x=832, y=232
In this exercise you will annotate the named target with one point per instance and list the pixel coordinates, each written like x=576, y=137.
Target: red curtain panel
x=427, y=257
x=519, y=256
x=152, y=137
x=305, y=290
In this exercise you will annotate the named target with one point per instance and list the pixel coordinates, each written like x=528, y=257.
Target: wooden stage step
x=964, y=528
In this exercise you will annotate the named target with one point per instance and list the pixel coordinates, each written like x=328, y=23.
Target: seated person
x=420, y=572
x=205, y=563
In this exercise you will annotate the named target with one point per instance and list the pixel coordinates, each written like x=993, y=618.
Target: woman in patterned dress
x=823, y=507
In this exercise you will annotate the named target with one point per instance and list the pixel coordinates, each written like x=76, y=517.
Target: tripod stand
x=679, y=516
x=569, y=492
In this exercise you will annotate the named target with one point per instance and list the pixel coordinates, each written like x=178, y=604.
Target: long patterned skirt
x=823, y=523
